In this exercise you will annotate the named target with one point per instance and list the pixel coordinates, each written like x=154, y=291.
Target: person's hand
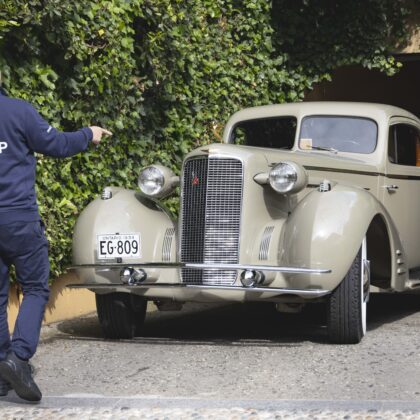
x=98, y=132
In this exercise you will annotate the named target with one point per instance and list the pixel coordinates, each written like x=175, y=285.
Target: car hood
x=309, y=159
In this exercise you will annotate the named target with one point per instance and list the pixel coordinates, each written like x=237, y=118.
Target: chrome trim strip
x=355, y=172
x=342, y=170
x=199, y=266
x=299, y=292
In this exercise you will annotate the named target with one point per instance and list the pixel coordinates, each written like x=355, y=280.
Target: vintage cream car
x=301, y=203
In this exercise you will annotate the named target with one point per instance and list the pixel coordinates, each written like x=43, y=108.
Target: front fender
x=326, y=229
x=126, y=212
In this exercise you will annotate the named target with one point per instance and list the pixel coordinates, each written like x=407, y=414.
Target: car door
x=401, y=189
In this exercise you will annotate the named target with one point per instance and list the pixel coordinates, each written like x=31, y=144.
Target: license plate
x=119, y=246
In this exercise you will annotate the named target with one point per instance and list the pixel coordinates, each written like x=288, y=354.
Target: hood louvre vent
x=167, y=244
x=265, y=243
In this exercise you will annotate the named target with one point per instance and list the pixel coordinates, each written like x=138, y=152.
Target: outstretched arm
x=45, y=139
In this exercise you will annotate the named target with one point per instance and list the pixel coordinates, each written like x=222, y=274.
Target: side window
x=274, y=132
x=404, y=145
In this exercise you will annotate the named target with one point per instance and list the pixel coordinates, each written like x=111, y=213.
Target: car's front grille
x=211, y=217
x=193, y=216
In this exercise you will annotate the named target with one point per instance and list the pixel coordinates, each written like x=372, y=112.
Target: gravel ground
x=238, y=352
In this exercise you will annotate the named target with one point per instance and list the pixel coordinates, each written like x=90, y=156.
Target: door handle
x=391, y=188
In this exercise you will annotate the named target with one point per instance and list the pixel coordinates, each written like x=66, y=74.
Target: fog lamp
x=138, y=276
x=249, y=278
x=132, y=276
x=125, y=274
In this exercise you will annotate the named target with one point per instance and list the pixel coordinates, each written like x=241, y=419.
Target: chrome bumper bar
x=198, y=266
x=104, y=267
x=313, y=293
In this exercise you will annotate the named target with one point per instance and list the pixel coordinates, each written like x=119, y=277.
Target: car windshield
x=338, y=134
x=276, y=133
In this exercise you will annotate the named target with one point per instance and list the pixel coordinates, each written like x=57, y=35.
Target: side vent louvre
x=265, y=243
x=167, y=244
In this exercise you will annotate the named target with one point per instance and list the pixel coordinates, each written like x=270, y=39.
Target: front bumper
x=310, y=293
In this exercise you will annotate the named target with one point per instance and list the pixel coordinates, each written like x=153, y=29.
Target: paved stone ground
x=195, y=414
x=84, y=407
x=239, y=361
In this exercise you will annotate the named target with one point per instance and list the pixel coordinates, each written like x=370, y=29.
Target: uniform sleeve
x=42, y=138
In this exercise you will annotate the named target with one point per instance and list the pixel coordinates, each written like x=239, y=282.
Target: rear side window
x=404, y=145
x=275, y=133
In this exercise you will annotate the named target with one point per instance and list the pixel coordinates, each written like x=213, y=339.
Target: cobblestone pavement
x=196, y=414
x=99, y=408
x=234, y=362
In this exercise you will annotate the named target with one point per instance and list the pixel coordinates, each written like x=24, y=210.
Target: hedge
x=164, y=76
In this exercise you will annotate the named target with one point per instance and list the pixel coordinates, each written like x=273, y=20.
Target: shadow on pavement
x=251, y=323
x=385, y=308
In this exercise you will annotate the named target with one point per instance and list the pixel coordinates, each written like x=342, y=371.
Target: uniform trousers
x=24, y=245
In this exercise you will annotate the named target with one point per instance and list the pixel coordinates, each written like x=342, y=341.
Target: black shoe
x=18, y=373
x=4, y=387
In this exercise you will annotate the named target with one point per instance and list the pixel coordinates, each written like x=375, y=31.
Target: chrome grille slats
x=223, y=218
x=193, y=216
x=216, y=236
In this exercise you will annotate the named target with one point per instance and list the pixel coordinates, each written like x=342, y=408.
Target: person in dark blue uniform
x=22, y=239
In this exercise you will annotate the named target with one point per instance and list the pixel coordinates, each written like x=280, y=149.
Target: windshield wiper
x=326, y=149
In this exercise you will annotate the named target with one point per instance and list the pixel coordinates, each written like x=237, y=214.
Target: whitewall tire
x=347, y=305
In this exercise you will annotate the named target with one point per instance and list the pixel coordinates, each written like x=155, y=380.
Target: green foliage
x=321, y=35
x=164, y=76
x=206, y=60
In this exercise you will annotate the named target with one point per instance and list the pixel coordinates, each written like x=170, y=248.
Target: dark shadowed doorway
x=355, y=83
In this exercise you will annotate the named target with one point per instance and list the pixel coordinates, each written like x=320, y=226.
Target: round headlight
x=283, y=177
x=288, y=177
x=151, y=180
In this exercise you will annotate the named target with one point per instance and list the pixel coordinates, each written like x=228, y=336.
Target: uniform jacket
x=22, y=132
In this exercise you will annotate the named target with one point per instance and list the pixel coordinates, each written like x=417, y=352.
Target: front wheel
x=348, y=303
x=121, y=315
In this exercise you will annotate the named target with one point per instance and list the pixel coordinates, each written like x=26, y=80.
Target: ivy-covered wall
x=164, y=76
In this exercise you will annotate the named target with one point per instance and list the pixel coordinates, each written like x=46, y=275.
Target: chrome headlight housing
x=157, y=181
x=287, y=178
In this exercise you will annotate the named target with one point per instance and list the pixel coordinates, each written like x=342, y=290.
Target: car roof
x=300, y=109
